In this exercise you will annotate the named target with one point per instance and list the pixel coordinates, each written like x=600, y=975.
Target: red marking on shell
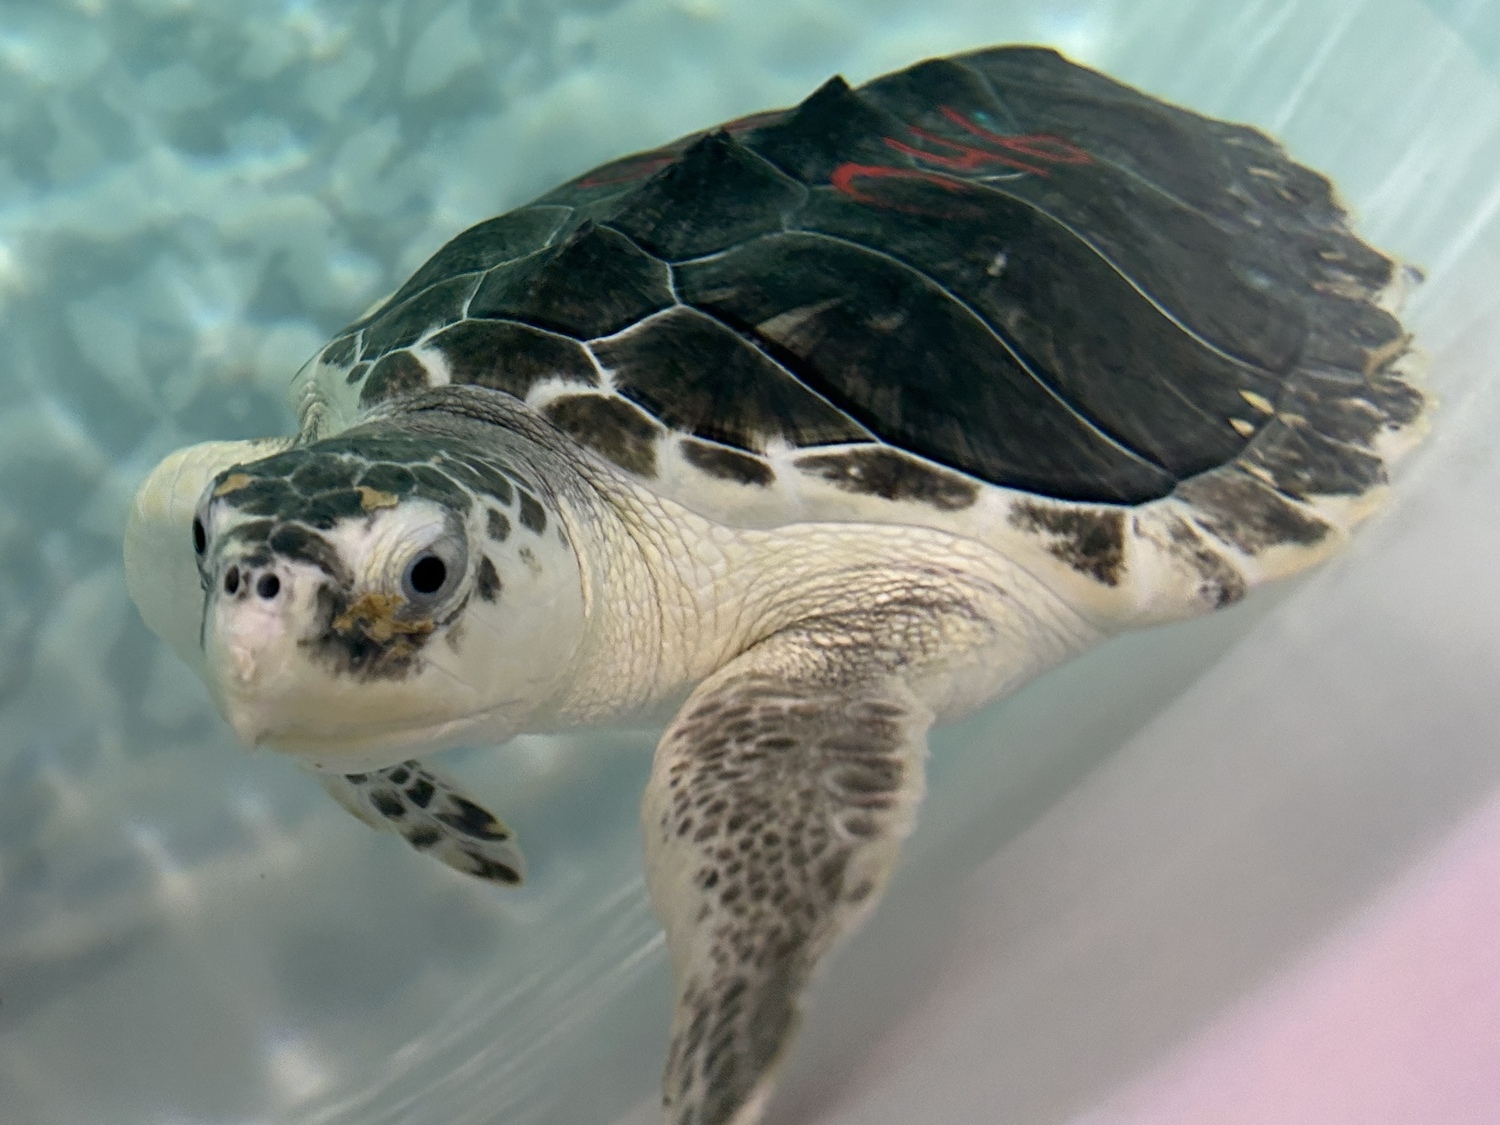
x=845, y=176
x=959, y=156
x=1042, y=146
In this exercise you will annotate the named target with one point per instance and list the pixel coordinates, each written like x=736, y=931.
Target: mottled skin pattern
x=815, y=430
x=433, y=816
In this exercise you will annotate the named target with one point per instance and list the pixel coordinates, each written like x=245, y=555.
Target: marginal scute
x=486, y=245
x=396, y=373
x=406, y=323
x=1304, y=463
x=611, y=427
x=510, y=357
x=1090, y=540
x=1237, y=509
x=879, y=471
x=341, y=352
x=726, y=464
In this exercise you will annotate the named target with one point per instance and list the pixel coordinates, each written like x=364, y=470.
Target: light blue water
x=193, y=196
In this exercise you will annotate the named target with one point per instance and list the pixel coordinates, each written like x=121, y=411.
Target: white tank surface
x=193, y=199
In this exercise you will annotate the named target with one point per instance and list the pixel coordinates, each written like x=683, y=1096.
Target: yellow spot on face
x=1260, y=402
x=1242, y=427
x=374, y=616
x=372, y=499
x=233, y=483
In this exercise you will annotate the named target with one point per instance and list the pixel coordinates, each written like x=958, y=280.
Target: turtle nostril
x=268, y=586
x=231, y=580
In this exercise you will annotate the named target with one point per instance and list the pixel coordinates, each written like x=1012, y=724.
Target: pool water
x=195, y=195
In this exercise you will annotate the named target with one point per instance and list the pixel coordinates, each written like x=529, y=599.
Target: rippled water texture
x=194, y=195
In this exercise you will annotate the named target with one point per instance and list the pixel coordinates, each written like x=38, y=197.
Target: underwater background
x=194, y=195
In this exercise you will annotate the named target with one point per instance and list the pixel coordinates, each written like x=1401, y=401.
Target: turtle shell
x=996, y=269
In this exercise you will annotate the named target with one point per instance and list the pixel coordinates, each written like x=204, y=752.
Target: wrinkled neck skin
x=669, y=596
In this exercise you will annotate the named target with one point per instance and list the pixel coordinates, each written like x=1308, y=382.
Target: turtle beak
x=250, y=644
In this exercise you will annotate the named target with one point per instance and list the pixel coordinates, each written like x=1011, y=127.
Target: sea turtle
x=818, y=428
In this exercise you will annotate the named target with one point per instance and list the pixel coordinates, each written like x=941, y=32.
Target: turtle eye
x=427, y=576
x=200, y=537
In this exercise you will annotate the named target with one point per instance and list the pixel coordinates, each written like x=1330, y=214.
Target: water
x=194, y=195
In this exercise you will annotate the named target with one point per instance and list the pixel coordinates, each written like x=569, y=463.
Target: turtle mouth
x=382, y=744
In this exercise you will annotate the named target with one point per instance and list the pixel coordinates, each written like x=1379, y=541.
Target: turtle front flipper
x=776, y=810
x=430, y=812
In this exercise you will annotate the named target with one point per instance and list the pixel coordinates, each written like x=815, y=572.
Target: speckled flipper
x=777, y=806
x=432, y=814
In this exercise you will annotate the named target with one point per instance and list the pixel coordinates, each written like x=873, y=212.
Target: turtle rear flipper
x=431, y=813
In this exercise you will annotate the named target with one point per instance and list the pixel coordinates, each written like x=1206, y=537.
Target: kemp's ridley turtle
x=820, y=427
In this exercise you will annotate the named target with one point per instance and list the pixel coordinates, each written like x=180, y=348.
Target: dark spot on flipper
x=388, y=804
x=878, y=471
x=497, y=526
x=356, y=373
x=611, y=427
x=397, y=373
x=487, y=582
x=1235, y=508
x=357, y=778
x=726, y=464
x=423, y=838
x=398, y=776
x=421, y=792
x=486, y=868
x=468, y=818
x=1090, y=540
x=532, y=517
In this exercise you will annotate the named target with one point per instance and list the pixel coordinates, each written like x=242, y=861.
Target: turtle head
x=365, y=598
